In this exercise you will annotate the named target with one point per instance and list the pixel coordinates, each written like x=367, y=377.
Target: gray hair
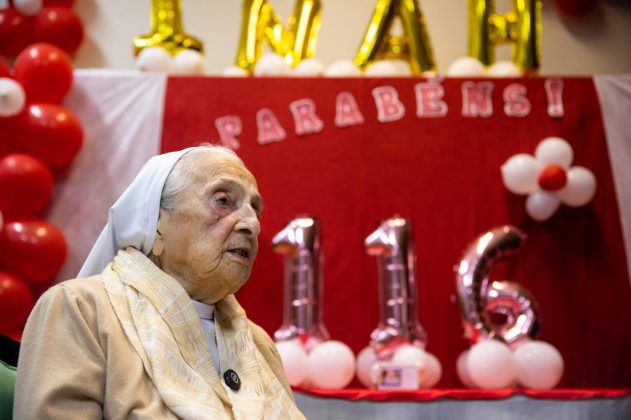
x=180, y=176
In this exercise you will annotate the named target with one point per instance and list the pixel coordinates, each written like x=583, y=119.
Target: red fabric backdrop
x=444, y=175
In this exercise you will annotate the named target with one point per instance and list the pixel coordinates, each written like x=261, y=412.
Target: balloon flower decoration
x=25, y=22
x=396, y=357
x=548, y=178
x=167, y=47
x=37, y=137
x=309, y=357
x=501, y=320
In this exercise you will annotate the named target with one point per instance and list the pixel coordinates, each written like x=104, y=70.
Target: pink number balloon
x=393, y=246
x=478, y=299
x=299, y=243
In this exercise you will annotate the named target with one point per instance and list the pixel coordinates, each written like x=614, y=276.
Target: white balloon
x=153, y=59
x=504, y=69
x=466, y=67
x=295, y=361
x=272, y=65
x=310, y=67
x=365, y=361
x=409, y=355
x=331, y=365
x=28, y=7
x=386, y=68
x=434, y=371
x=539, y=365
x=490, y=365
x=463, y=370
x=234, y=71
x=520, y=174
x=580, y=187
x=541, y=205
x=554, y=150
x=342, y=68
x=187, y=62
x=12, y=97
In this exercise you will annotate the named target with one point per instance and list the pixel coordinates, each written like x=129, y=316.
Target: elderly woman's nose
x=248, y=221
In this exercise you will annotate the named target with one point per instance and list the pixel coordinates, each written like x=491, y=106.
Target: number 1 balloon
x=393, y=246
x=299, y=243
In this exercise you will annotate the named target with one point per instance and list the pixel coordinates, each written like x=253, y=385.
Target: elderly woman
x=154, y=331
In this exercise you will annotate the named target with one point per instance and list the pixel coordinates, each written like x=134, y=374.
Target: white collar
x=204, y=310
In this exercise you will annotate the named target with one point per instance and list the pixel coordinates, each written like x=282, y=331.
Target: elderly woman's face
x=209, y=240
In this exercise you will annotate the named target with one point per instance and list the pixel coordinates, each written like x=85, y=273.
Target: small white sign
x=389, y=375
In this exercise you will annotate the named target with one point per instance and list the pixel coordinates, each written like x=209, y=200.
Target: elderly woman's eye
x=222, y=200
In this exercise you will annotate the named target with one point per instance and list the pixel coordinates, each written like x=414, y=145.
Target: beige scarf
x=161, y=322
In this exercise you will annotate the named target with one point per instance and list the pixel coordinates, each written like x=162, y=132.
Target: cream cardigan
x=77, y=362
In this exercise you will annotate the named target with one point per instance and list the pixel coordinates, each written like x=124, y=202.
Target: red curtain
x=444, y=175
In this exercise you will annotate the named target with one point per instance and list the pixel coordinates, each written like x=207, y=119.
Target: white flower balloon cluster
x=328, y=365
x=548, y=178
x=491, y=364
x=157, y=59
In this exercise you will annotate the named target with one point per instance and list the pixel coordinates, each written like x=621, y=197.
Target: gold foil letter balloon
x=413, y=46
x=393, y=246
x=299, y=243
x=521, y=27
x=166, y=30
x=261, y=24
x=482, y=303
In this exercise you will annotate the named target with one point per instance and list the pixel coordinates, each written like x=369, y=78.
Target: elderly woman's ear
x=158, y=243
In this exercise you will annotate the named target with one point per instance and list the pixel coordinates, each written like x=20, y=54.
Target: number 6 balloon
x=299, y=242
x=477, y=298
x=393, y=246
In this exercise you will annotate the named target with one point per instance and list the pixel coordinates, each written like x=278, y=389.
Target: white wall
x=597, y=44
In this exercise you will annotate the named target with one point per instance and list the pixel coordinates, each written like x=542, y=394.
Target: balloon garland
x=26, y=22
x=37, y=137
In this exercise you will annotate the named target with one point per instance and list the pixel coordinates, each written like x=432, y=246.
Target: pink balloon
x=331, y=365
x=393, y=245
x=299, y=242
x=294, y=359
x=472, y=276
x=539, y=365
x=490, y=365
x=366, y=359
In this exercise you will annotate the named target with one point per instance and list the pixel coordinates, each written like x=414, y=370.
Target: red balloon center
x=553, y=178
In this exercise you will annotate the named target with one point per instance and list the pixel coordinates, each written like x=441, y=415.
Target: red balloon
x=33, y=249
x=59, y=26
x=577, y=8
x=16, y=32
x=26, y=185
x=16, y=302
x=45, y=73
x=52, y=133
x=62, y=3
x=552, y=178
